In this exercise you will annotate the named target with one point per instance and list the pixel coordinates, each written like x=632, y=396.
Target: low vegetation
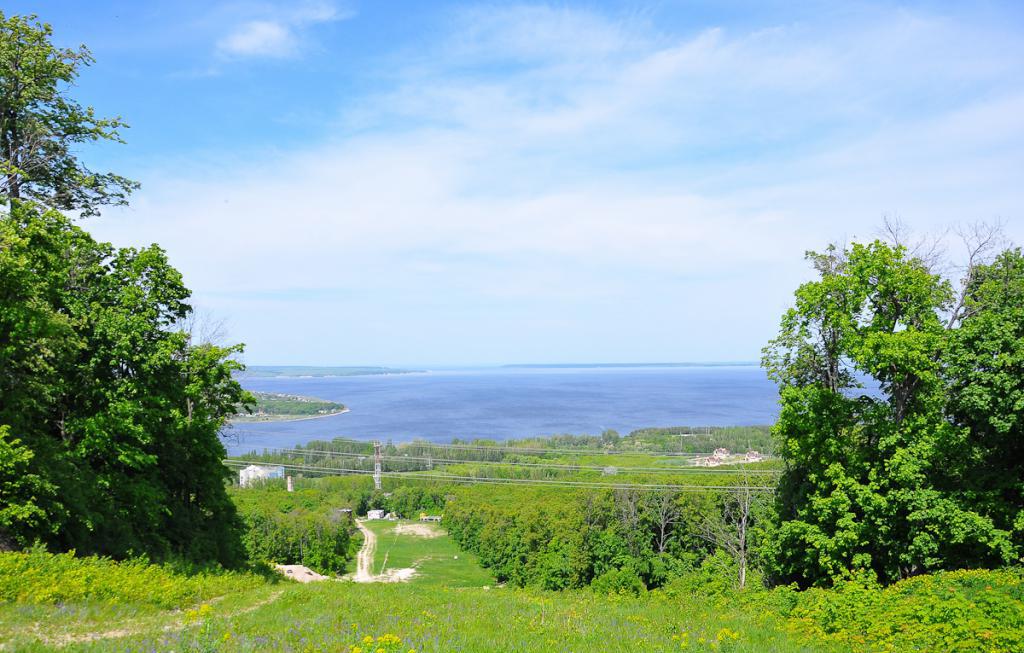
x=39, y=577
x=949, y=611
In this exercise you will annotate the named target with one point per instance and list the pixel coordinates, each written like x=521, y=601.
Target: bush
x=44, y=578
x=304, y=527
x=619, y=581
x=949, y=611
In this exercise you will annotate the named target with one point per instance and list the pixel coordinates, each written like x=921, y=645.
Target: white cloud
x=259, y=38
x=278, y=32
x=610, y=189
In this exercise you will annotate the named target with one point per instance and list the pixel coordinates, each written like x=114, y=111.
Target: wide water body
x=502, y=403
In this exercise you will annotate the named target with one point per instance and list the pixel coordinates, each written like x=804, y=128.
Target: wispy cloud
x=278, y=32
x=603, y=187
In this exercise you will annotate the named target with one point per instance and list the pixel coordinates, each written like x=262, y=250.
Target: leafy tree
x=863, y=426
x=118, y=407
x=25, y=494
x=984, y=365
x=40, y=125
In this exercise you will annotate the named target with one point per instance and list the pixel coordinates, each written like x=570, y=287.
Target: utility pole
x=376, y=464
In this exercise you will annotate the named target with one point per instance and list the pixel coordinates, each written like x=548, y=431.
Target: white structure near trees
x=375, y=514
x=256, y=473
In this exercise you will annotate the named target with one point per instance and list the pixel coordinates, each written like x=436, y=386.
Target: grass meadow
x=437, y=560
x=59, y=602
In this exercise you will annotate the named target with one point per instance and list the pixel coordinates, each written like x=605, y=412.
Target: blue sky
x=450, y=183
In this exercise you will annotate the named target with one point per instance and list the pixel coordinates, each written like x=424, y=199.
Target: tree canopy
x=41, y=125
x=898, y=422
x=109, y=410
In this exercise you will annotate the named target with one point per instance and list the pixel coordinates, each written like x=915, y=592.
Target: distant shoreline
x=285, y=418
x=590, y=366
x=316, y=371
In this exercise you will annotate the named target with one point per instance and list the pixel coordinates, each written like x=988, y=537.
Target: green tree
x=25, y=494
x=41, y=125
x=117, y=405
x=984, y=366
x=863, y=426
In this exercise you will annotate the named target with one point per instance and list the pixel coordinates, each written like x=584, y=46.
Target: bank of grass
x=348, y=617
x=109, y=606
x=437, y=560
x=38, y=577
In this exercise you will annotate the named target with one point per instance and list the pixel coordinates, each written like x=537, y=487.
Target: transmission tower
x=376, y=465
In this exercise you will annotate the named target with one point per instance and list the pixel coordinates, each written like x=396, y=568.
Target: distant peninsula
x=279, y=407
x=265, y=371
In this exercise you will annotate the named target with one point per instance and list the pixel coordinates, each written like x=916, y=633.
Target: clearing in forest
x=395, y=546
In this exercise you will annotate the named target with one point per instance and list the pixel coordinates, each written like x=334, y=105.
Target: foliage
x=41, y=126
x=555, y=538
x=984, y=368
x=619, y=581
x=36, y=576
x=119, y=408
x=948, y=611
x=867, y=492
x=25, y=494
x=304, y=527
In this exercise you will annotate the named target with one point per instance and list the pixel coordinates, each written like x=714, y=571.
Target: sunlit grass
x=437, y=560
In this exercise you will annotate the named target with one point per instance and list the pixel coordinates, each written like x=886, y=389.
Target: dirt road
x=364, y=562
x=364, y=559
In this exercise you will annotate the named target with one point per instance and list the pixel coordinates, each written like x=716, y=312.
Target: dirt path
x=364, y=562
x=178, y=623
x=364, y=559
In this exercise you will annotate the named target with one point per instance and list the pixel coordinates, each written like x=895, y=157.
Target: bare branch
x=981, y=240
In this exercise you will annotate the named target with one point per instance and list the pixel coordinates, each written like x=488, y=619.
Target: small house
x=375, y=514
x=256, y=473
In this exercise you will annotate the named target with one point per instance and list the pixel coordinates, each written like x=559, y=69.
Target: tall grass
x=38, y=577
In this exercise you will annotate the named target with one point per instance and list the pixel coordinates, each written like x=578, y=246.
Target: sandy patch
x=419, y=530
x=300, y=573
x=396, y=575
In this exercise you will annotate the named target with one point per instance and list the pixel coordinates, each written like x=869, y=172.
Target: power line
x=418, y=476
x=430, y=460
x=506, y=449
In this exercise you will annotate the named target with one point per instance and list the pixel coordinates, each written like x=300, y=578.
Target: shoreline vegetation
x=281, y=407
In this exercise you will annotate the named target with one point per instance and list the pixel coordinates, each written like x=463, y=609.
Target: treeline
x=306, y=527
x=628, y=539
x=674, y=439
x=314, y=525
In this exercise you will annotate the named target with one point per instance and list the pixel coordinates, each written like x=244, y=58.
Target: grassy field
x=437, y=560
x=63, y=603
x=340, y=616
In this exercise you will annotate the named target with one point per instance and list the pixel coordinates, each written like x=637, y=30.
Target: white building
x=375, y=514
x=255, y=473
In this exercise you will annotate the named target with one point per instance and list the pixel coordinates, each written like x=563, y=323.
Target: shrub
x=39, y=577
x=973, y=610
x=619, y=581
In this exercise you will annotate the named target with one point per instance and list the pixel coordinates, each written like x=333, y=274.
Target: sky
x=434, y=183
